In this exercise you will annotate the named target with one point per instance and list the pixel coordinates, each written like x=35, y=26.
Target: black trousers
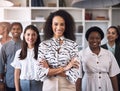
x=118, y=81
x=10, y=89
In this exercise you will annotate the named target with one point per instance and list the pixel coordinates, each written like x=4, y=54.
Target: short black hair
x=94, y=29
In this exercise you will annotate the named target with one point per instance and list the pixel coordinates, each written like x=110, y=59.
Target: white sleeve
x=16, y=61
x=114, y=68
x=73, y=74
x=41, y=71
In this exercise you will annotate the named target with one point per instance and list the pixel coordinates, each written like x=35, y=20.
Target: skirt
x=30, y=85
x=58, y=84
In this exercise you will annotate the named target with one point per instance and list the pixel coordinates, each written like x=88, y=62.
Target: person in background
x=99, y=65
x=25, y=60
x=113, y=45
x=4, y=32
x=7, y=54
x=58, y=53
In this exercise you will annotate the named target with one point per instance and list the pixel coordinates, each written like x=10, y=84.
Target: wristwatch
x=1, y=80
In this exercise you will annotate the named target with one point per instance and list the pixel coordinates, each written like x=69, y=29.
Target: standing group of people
x=7, y=54
x=99, y=65
x=56, y=64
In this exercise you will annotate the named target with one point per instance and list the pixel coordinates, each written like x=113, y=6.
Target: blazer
x=117, y=51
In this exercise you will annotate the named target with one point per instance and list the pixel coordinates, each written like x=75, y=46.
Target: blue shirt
x=7, y=54
x=112, y=49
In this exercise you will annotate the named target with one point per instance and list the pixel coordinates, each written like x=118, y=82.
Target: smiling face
x=30, y=37
x=112, y=35
x=16, y=31
x=58, y=26
x=94, y=40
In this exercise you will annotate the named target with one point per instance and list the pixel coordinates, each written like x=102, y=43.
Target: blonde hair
x=5, y=25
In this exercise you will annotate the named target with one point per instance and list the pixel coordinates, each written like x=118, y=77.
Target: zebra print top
x=57, y=56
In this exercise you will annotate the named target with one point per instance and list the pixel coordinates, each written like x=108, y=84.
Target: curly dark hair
x=23, y=52
x=69, y=25
x=117, y=31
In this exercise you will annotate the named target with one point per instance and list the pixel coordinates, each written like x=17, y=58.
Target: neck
x=16, y=39
x=30, y=46
x=95, y=50
x=57, y=37
x=111, y=43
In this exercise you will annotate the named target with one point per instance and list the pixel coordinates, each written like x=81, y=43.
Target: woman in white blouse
x=60, y=52
x=25, y=62
x=99, y=65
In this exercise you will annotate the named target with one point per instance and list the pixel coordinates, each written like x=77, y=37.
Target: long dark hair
x=117, y=31
x=69, y=25
x=23, y=52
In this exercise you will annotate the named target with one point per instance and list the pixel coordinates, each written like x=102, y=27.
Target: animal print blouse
x=58, y=56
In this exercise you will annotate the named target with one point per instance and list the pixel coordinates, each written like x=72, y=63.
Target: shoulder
x=18, y=51
x=7, y=45
x=105, y=52
x=70, y=42
x=46, y=42
x=118, y=44
x=84, y=51
x=104, y=46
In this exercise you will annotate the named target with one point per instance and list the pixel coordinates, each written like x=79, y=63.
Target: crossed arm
x=61, y=70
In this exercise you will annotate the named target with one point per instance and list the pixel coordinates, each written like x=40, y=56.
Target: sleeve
x=16, y=61
x=74, y=73
x=2, y=59
x=114, y=68
x=41, y=71
x=80, y=68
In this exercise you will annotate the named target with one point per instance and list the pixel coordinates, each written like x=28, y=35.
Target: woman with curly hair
x=58, y=53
